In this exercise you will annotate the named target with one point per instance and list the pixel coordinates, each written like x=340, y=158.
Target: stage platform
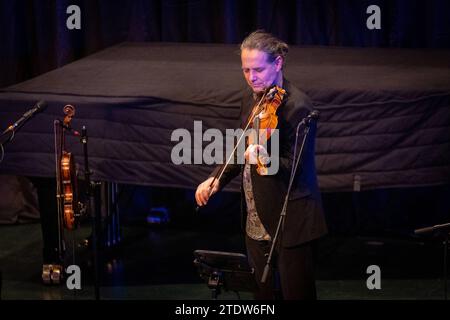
x=384, y=113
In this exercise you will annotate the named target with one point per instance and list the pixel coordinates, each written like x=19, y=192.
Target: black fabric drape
x=34, y=39
x=384, y=113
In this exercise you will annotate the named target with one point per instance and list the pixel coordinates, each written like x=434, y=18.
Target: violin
x=68, y=178
x=263, y=116
x=265, y=120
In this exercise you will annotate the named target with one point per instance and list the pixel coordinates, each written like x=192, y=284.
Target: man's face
x=258, y=71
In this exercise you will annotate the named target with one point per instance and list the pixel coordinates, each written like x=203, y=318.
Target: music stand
x=443, y=231
x=227, y=270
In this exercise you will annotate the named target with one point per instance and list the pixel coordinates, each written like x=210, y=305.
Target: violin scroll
x=69, y=110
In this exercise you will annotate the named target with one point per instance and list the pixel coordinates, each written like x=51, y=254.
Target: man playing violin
x=292, y=275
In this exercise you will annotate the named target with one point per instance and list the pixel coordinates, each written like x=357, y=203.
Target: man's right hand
x=204, y=191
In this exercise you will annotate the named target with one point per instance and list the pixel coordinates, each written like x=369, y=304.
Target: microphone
x=313, y=115
x=39, y=107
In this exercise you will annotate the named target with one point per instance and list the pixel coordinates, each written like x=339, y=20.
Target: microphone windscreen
x=41, y=105
x=315, y=114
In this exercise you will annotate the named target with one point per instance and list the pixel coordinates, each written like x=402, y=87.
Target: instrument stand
x=109, y=234
x=53, y=273
x=67, y=205
x=442, y=231
x=306, y=122
x=93, y=211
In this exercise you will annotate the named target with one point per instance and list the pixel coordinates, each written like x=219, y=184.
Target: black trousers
x=292, y=271
x=46, y=189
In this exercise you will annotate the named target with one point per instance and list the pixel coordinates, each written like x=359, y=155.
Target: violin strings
x=237, y=144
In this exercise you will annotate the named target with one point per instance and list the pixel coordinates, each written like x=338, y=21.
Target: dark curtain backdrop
x=34, y=38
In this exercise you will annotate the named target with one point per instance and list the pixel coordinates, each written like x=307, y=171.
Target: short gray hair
x=266, y=42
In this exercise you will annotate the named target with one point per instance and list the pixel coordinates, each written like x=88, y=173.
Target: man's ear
x=279, y=63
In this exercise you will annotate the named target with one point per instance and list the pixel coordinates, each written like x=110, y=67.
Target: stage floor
x=156, y=263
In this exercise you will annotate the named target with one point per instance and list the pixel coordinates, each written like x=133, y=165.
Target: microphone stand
x=306, y=123
x=12, y=131
x=4, y=143
x=2, y=153
x=92, y=211
x=9, y=139
x=444, y=231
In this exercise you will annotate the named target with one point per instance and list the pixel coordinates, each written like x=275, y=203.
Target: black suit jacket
x=304, y=218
